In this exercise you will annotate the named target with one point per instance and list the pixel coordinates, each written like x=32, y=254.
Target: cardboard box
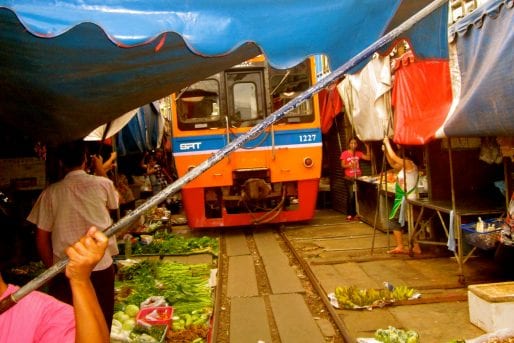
x=491, y=305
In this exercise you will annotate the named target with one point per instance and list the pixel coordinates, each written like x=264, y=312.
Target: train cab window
x=198, y=105
x=245, y=101
x=286, y=85
x=246, y=105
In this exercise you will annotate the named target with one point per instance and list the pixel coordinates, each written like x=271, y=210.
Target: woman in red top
x=350, y=163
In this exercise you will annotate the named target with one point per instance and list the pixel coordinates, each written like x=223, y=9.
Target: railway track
x=274, y=281
x=261, y=266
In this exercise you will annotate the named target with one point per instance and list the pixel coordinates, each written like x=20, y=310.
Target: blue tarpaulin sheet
x=67, y=67
x=143, y=132
x=485, y=50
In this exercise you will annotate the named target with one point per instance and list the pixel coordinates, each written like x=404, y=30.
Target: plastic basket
x=482, y=240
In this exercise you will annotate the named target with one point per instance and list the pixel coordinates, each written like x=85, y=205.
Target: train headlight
x=308, y=162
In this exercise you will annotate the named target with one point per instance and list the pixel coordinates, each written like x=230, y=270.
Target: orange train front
x=274, y=177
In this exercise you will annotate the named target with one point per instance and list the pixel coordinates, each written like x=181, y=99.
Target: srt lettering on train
x=190, y=146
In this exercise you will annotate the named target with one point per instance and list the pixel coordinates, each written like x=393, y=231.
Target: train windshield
x=198, y=104
x=285, y=85
x=243, y=95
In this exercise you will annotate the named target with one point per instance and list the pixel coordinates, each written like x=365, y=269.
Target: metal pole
x=378, y=207
x=124, y=222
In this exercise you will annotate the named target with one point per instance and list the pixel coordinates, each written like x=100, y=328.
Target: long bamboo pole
x=124, y=222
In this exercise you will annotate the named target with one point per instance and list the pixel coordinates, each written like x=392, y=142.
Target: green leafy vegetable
x=394, y=335
x=171, y=244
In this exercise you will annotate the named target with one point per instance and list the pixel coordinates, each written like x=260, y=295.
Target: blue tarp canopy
x=67, y=67
x=143, y=132
x=485, y=49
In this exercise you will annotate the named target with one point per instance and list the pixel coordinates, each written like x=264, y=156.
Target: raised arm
x=84, y=255
x=98, y=165
x=110, y=163
x=394, y=160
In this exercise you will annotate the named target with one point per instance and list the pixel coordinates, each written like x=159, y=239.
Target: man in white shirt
x=65, y=211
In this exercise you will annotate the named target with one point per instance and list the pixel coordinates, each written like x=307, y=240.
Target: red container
x=155, y=316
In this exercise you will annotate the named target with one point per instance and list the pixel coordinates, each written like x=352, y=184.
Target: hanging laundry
x=367, y=99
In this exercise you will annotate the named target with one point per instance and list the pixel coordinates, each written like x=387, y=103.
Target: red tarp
x=330, y=106
x=421, y=99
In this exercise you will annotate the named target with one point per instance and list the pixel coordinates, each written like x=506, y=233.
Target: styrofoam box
x=491, y=305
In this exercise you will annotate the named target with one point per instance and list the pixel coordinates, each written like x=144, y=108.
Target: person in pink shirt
x=38, y=317
x=350, y=162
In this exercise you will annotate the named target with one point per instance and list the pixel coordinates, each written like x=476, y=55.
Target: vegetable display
x=394, y=335
x=164, y=243
x=125, y=329
x=185, y=287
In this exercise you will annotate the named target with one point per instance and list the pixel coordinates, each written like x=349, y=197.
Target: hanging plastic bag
x=490, y=151
x=154, y=301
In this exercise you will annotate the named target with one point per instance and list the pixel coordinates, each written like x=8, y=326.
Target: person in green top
x=405, y=188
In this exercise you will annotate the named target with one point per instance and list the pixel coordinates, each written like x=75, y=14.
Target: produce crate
x=482, y=240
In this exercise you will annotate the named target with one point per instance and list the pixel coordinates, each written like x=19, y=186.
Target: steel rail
x=341, y=326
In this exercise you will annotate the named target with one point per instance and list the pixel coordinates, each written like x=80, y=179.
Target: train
x=273, y=177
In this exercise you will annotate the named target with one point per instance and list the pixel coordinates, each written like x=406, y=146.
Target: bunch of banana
x=402, y=293
x=353, y=297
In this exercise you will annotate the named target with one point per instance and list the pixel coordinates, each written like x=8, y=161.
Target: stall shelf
x=460, y=189
x=420, y=211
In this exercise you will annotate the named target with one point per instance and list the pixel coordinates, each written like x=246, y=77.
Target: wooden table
x=443, y=210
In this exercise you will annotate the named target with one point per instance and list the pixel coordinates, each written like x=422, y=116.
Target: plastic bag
x=155, y=301
x=490, y=151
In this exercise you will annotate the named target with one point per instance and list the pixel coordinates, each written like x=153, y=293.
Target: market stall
x=462, y=192
x=445, y=108
x=165, y=282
